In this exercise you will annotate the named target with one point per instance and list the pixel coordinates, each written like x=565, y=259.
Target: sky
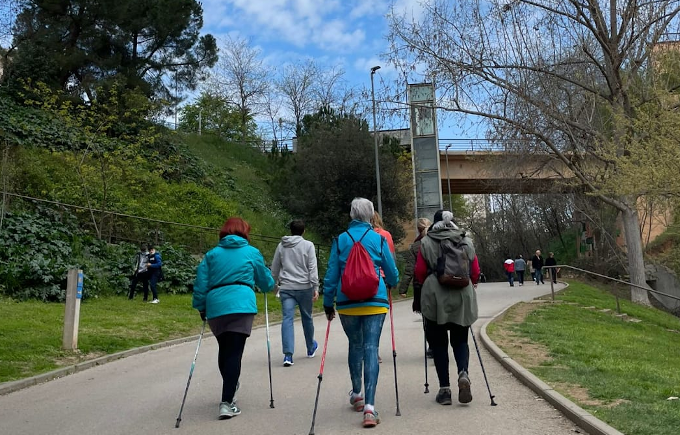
x=345, y=33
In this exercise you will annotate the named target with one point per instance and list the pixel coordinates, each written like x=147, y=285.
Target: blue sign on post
x=79, y=288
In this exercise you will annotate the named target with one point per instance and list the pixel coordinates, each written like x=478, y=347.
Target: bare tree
x=241, y=77
x=569, y=78
x=296, y=84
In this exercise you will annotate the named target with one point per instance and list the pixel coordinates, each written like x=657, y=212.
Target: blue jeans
x=511, y=278
x=539, y=275
x=303, y=299
x=363, y=334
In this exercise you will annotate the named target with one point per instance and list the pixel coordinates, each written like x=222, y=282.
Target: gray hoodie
x=294, y=265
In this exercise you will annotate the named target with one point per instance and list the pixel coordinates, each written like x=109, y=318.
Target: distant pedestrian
x=509, y=266
x=551, y=261
x=537, y=264
x=295, y=271
x=423, y=224
x=224, y=295
x=362, y=320
x=154, y=267
x=520, y=267
x=140, y=272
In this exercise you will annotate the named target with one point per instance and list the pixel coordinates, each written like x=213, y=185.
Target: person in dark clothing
x=537, y=264
x=154, y=268
x=550, y=261
x=140, y=272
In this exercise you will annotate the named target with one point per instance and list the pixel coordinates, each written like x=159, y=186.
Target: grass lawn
x=622, y=372
x=31, y=332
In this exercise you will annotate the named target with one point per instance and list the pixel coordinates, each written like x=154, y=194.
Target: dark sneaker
x=444, y=396
x=464, y=389
x=312, y=354
x=288, y=360
x=379, y=360
x=228, y=410
x=357, y=401
x=371, y=419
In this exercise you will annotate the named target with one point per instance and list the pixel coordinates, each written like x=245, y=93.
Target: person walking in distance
x=509, y=266
x=520, y=267
x=422, y=225
x=140, y=272
x=154, y=268
x=551, y=261
x=362, y=315
x=537, y=264
x=295, y=271
x=448, y=301
x=224, y=295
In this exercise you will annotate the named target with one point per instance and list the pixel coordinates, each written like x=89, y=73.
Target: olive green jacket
x=444, y=304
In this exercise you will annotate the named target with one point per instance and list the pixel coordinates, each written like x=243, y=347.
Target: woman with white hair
x=446, y=309
x=362, y=320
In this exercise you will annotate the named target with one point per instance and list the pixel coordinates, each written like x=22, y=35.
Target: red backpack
x=359, y=279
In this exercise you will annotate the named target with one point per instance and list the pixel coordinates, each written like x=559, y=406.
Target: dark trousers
x=231, y=345
x=153, y=280
x=438, y=339
x=520, y=276
x=137, y=277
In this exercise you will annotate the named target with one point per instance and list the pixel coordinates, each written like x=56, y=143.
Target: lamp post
x=448, y=178
x=375, y=139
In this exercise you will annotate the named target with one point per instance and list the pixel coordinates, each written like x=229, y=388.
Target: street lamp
x=375, y=138
x=448, y=178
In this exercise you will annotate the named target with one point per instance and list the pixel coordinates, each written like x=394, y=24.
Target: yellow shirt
x=363, y=311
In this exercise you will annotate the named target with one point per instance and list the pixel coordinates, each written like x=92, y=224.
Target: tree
x=78, y=46
x=296, y=84
x=568, y=78
x=241, y=78
x=217, y=118
x=334, y=164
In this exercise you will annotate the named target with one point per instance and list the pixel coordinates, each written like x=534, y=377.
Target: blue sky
x=345, y=33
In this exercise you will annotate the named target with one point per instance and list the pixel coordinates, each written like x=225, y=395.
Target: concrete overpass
x=470, y=169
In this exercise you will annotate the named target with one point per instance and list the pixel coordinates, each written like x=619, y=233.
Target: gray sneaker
x=444, y=396
x=228, y=410
x=464, y=389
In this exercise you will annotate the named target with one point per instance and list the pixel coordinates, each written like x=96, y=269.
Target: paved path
x=142, y=394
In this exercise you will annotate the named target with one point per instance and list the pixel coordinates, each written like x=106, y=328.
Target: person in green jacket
x=224, y=295
x=446, y=310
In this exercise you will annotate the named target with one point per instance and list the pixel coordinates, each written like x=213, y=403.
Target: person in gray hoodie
x=520, y=267
x=294, y=270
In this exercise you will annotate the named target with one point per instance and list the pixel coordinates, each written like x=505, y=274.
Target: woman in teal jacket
x=362, y=321
x=224, y=295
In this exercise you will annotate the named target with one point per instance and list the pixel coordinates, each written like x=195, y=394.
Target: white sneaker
x=155, y=301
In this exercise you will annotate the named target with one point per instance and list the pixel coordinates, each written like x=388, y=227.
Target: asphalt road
x=142, y=394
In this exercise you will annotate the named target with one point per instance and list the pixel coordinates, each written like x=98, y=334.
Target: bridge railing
x=588, y=272
x=473, y=145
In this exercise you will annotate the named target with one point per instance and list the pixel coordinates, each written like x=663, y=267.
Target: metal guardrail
x=472, y=145
x=618, y=306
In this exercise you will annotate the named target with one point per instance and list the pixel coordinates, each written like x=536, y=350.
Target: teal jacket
x=377, y=247
x=226, y=277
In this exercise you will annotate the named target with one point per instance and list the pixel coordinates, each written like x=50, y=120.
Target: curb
x=585, y=420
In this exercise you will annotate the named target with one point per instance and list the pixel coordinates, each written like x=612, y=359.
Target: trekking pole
x=318, y=386
x=394, y=352
x=427, y=385
x=191, y=372
x=491, y=396
x=269, y=352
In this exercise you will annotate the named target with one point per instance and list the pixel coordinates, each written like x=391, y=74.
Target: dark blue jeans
x=303, y=299
x=511, y=278
x=363, y=333
x=153, y=281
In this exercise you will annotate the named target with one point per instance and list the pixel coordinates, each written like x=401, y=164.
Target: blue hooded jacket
x=376, y=245
x=226, y=277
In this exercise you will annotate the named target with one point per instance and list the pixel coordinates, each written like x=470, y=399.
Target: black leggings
x=438, y=338
x=231, y=345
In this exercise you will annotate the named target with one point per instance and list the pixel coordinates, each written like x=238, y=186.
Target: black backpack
x=453, y=264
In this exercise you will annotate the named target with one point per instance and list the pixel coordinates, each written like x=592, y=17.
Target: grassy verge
x=622, y=372
x=31, y=332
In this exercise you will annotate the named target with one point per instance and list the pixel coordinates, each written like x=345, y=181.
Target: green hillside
x=107, y=194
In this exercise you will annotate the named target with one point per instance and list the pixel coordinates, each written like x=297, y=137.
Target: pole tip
x=177, y=424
